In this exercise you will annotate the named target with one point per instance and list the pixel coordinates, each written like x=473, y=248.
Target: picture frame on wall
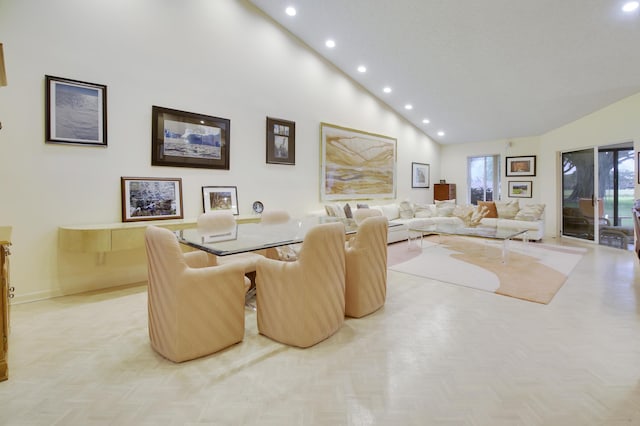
x=355, y=164
x=188, y=139
x=75, y=112
x=146, y=198
x=216, y=198
x=521, y=166
x=281, y=141
x=520, y=189
x=419, y=175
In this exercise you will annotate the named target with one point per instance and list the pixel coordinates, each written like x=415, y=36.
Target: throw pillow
x=334, y=210
x=507, y=209
x=424, y=210
x=445, y=208
x=347, y=211
x=362, y=206
x=530, y=212
x=492, y=212
x=406, y=210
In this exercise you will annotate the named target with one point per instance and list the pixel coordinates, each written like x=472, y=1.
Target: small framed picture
x=220, y=198
x=419, y=175
x=281, y=141
x=76, y=112
x=520, y=189
x=187, y=139
x=151, y=198
x=521, y=166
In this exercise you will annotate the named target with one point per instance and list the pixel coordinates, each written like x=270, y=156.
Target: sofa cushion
x=445, y=208
x=406, y=210
x=424, y=210
x=530, y=212
x=507, y=209
x=334, y=210
x=492, y=212
x=390, y=211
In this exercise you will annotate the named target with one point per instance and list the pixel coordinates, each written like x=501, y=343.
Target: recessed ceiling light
x=362, y=68
x=291, y=11
x=408, y=106
x=440, y=133
x=426, y=121
x=630, y=6
x=330, y=44
x=387, y=89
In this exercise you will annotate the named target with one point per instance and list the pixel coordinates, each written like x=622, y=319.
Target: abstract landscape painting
x=356, y=164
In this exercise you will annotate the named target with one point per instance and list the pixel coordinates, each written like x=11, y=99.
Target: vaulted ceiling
x=477, y=70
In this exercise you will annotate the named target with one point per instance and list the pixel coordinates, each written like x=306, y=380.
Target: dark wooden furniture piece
x=444, y=191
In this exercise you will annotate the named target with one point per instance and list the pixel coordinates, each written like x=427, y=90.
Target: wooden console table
x=6, y=291
x=119, y=236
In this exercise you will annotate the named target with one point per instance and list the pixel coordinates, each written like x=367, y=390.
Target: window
x=483, y=178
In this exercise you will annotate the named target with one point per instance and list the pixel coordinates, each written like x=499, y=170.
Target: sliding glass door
x=597, y=206
x=579, y=201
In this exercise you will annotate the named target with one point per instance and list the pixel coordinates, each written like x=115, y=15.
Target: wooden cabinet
x=5, y=292
x=444, y=191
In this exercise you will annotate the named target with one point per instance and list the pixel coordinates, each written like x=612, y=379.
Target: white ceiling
x=479, y=70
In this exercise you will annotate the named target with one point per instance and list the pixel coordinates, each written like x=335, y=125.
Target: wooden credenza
x=5, y=292
x=444, y=191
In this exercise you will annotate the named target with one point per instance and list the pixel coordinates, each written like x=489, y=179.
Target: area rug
x=533, y=271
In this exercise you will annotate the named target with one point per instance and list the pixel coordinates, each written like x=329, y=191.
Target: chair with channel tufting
x=301, y=303
x=195, y=308
x=366, y=268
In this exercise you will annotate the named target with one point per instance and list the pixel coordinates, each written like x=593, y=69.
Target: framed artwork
x=419, y=175
x=187, y=139
x=220, y=198
x=520, y=189
x=521, y=166
x=281, y=141
x=151, y=198
x=356, y=164
x=76, y=112
x=638, y=168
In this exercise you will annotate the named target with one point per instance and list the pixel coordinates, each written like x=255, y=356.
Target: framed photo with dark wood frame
x=281, y=141
x=151, y=198
x=220, y=198
x=520, y=189
x=419, y=175
x=521, y=166
x=187, y=139
x=76, y=112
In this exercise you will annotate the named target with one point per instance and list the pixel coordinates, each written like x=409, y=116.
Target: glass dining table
x=247, y=237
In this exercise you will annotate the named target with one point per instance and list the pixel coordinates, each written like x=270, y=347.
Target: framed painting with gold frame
x=355, y=164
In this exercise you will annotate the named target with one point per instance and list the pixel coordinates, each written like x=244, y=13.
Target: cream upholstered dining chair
x=301, y=303
x=361, y=214
x=219, y=222
x=366, y=265
x=194, y=308
x=288, y=252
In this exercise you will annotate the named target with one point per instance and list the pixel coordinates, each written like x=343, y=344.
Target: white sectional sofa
x=510, y=215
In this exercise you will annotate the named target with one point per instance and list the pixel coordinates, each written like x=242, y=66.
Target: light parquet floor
x=436, y=354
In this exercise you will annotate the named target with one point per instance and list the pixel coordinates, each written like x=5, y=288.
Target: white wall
x=454, y=164
x=222, y=58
